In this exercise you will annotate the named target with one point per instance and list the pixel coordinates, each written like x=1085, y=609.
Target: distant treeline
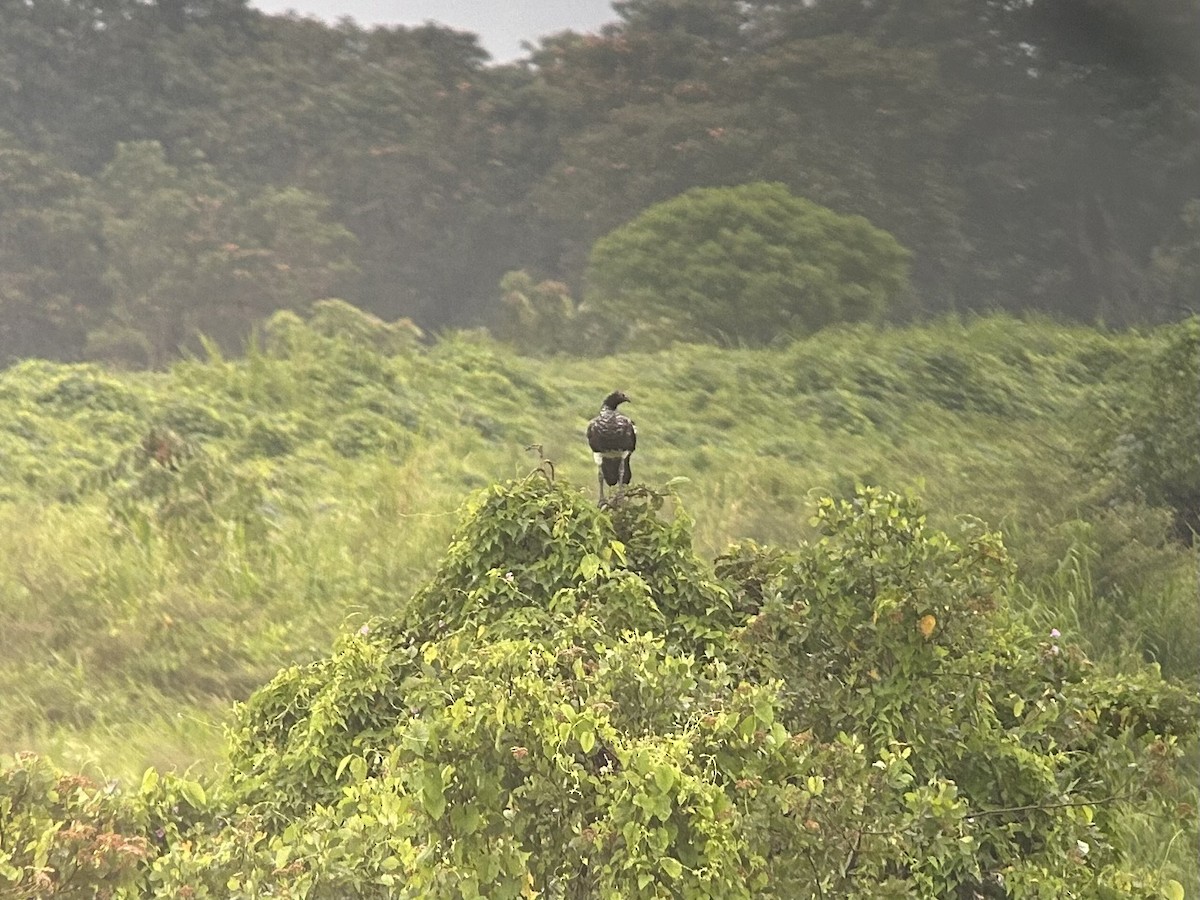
x=170, y=167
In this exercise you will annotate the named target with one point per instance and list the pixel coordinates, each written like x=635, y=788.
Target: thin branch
x=1062, y=805
x=1034, y=806
x=816, y=873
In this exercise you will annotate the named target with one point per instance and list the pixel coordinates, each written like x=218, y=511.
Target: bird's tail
x=615, y=468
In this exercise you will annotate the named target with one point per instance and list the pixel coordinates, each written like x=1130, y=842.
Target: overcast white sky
x=500, y=24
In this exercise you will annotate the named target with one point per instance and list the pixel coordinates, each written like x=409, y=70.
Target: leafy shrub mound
x=65, y=835
x=1156, y=452
x=179, y=485
x=577, y=706
x=741, y=265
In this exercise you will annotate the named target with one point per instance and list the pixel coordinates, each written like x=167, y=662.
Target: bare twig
x=545, y=466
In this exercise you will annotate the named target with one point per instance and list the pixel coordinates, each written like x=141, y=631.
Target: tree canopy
x=745, y=264
x=1032, y=156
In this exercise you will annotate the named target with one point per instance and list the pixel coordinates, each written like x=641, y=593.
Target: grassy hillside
x=170, y=540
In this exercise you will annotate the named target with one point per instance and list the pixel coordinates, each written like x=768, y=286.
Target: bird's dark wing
x=611, y=433
x=595, y=435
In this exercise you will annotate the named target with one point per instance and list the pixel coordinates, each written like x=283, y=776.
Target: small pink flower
x=365, y=630
x=1054, y=632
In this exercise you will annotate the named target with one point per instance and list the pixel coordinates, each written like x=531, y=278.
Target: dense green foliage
x=218, y=258
x=1030, y=155
x=800, y=687
x=575, y=706
x=1156, y=448
x=542, y=318
x=173, y=540
x=751, y=264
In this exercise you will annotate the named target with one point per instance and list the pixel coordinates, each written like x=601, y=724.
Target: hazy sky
x=500, y=24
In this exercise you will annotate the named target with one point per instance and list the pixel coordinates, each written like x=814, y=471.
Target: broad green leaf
x=193, y=792
x=664, y=778
x=589, y=566
x=587, y=735
x=149, y=780
x=747, y=728
x=434, y=800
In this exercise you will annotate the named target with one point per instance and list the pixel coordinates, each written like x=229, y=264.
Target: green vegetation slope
x=575, y=705
x=173, y=540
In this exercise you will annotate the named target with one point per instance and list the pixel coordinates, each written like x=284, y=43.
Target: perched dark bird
x=612, y=438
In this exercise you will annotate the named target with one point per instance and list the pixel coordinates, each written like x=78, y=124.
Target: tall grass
x=318, y=481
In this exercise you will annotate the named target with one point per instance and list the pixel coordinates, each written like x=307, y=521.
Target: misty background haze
x=1040, y=158
x=501, y=26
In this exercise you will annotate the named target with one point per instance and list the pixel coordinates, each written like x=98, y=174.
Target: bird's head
x=615, y=399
